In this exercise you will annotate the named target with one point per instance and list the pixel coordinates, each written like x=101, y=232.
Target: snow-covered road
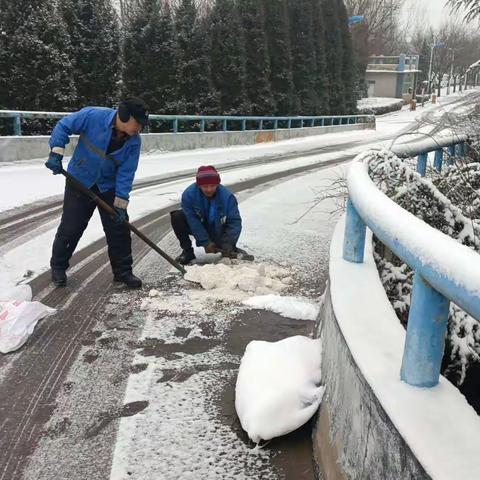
x=172, y=354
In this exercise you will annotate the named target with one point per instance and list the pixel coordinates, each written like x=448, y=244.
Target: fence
x=445, y=270
x=203, y=122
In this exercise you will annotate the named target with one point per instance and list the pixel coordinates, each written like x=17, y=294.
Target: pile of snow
x=260, y=279
x=278, y=386
x=379, y=105
x=291, y=307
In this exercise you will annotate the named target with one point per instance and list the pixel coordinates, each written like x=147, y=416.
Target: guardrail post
x=451, y=154
x=322, y=122
x=244, y=125
x=275, y=124
x=313, y=122
x=289, y=123
x=438, y=160
x=17, y=125
x=301, y=123
x=260, y=125
x=354, y=239
x=202, y=125
x=175, y=125
x=425, y=339
x=224, y=125
x=422, y=163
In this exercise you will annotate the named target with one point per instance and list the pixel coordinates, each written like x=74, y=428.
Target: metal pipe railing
x=226, y=122
x=445, y=270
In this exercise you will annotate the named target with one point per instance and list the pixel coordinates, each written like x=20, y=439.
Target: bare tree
x=381, y=19
x=471, y=8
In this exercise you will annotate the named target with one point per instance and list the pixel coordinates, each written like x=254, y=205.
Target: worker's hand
x=54, y=163
x=120, y=205
x=121, y=215
x=227, y=249
x=211, y=248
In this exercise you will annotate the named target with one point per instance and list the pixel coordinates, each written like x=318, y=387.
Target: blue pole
x=289, y=123
x=175, y=125
x=17, y=126
x=275, y=124
x=322, y=124
x=260, y=125
x=224, y=125
x=425, y=340
x=202, y=125
x=422, y=163
x=301, y=123
x=354, y=239
x=451, y=154
x=438, y=160
x=244, y=125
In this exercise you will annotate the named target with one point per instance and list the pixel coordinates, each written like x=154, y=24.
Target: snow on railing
x=445, y=270
x=221, y=122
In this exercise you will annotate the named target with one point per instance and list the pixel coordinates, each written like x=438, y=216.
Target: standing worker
x=209, y=213
x=105, y=160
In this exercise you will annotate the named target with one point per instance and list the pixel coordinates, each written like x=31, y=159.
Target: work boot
x=129, y=279
x=59, y=277
x=185, y=257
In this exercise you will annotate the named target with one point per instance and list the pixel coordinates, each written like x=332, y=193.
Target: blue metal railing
x=445, y=270
x=204, y=122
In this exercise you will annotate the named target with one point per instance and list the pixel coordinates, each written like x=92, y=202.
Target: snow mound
x=291, y=307
x=261, y=279
x=278, y=386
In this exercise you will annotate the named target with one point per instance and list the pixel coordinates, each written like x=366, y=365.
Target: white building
x=391, y=76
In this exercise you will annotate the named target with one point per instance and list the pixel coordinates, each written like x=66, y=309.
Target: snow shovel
x=107, y=208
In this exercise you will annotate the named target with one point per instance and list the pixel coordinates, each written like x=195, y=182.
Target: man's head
x=208, y=180
x=132, y=116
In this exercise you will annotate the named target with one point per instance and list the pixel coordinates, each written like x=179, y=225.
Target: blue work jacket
x=89, y=163
x=212, y=220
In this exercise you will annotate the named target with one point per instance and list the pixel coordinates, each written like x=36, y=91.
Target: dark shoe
x=59, y=277
x=185, y=257
x=129, y=279
x=241, y=254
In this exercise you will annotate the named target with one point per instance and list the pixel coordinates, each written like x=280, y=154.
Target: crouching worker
x=209, y=213
x=105, y=161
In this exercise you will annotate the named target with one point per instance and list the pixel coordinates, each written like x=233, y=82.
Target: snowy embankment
x=437, y=423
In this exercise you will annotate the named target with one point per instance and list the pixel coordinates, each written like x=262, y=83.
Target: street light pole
x=451, y=70
x=432, y=46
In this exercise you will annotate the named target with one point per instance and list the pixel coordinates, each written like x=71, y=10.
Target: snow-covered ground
x=179, y=434
x=372, y=104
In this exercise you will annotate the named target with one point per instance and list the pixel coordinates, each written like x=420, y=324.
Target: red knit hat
x=207, y=175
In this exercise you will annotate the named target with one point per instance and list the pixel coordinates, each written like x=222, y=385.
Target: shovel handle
x=107, y=208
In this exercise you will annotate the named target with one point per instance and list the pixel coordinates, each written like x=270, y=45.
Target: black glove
x=54, y=163
x=121, y=215
x=227, y=249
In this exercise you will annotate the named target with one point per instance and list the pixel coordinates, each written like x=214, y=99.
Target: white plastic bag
x=278, y=386
x=17, y=321
x=19, y=292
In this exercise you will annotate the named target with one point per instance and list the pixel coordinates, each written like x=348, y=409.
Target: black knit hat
x=135, y=107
